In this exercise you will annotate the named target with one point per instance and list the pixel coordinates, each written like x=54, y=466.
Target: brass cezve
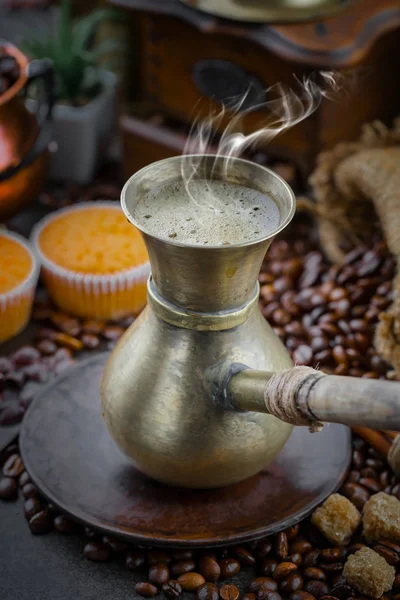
x=184, y=394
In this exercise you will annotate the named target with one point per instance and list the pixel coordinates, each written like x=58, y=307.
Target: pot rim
x=23, y=62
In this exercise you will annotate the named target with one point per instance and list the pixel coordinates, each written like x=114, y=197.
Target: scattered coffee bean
x=229, y=592
x=117, y=546
x=64, y=524
x=13, y=467
x=172, y=589
x=229, y=567
x=159, y=574
x=291, y=583
x=281, y=546
x=284, y=569
x=30, y=491
x=244, y=557
x=189, y=582
x=31, y=507
x=182, y=566
x=209, y=568
x=135, y=560
x=147, y=590
x=97, y=552
x=207, y=591
x=316, y=588
x=40, y=523
x=265, y=582
x=8, y=489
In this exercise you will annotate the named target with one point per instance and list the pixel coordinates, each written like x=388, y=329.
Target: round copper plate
x=73, y=461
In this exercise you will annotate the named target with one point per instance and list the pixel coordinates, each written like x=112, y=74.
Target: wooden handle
x=304, y=396
x=353, y=401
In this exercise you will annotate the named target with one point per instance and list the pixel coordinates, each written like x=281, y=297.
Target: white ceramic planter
x=83, y=134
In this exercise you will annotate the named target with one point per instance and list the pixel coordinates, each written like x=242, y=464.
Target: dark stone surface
x=52, y=567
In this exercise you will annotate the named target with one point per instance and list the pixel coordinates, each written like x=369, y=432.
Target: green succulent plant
x=70, y=48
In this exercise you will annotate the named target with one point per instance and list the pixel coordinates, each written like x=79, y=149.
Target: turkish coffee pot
x=24, y=136
x=199, y=392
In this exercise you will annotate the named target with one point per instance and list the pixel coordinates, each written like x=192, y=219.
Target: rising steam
x=288, y=107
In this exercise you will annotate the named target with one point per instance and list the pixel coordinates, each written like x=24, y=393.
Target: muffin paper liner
x=16, y=305
x=92, y=296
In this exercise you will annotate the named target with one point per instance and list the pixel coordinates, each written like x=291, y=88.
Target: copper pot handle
x=38, y=69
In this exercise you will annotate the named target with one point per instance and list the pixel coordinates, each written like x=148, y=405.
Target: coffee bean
x=147, y=590
x=376, y=464
x=64, y=524
x=172, y=589
x=182, y=566
x=90, y=341
x=332, y=568
x=26, y=355
x=135, y=560
x=281, y=546
x=295, y=558
x=268, y=566
x=112, y=333
x=353, y=477
x=40, y=522
x=291, y=583
x=354, y=548
x=229, y=592
x=117, y=546
x=208, y=591
x=13, y=467
x=396, y=583
x=265, y=582
x=301, y=595
x=229, y=567
x=159, y=574
x=249, y=596
x=390, y=555
x=300, y=546
x=357, y=494
x=310, y=558
x=303, y=355
x=30, y=491
x=244, y=556
x=263, y=548
x=96, y=551
x=342, y=591
x=46, y=347
x=316, y=588
x=31, y=507
x=89, y=533
x=371, y=484
x=283, y=570
x=314, y=573
x=209, y=568
x=265, y=594
x=190, y=581
x=333, y=555
x=8, y=489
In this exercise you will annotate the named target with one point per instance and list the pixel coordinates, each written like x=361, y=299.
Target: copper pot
x=24, y=136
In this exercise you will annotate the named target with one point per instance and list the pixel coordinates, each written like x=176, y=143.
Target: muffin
x=94, y=262
x=19, y=273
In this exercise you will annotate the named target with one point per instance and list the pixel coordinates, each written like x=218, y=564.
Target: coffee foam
x=216, y=213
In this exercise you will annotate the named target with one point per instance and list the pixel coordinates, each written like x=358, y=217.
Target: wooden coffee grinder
x=209, y=50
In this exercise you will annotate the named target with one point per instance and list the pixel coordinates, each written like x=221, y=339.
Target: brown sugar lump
x=337, y=519
x=381, y=518
x=369, y=573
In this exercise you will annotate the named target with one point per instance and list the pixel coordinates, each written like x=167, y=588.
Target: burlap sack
x=352, y=184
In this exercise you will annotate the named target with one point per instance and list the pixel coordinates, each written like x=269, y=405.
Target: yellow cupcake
x=95, y=262
x=19, y=273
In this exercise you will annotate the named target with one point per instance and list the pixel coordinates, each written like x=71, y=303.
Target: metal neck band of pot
x=207, y=278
